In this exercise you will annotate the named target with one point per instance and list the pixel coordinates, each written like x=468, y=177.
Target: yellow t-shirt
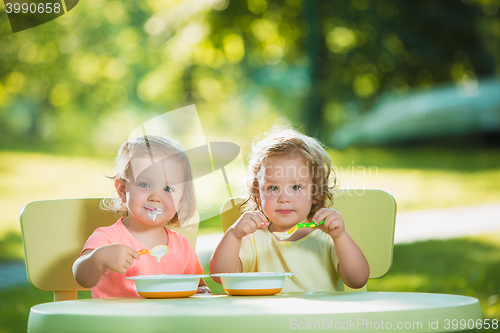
x=312, y=259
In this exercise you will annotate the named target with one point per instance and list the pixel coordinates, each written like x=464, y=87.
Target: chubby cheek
x=307, y=200
x=267, y=204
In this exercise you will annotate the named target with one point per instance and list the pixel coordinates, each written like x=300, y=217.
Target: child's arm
x=88, y=269
x=353, y=267
x=226, y=256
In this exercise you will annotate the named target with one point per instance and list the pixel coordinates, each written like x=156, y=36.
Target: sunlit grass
x=411, y=282
x=430, y=189
x=423, y=178
x=27, y=177
x=417, y=179
x=464, y=266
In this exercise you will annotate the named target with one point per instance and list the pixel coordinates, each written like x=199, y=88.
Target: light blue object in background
x=441, y=112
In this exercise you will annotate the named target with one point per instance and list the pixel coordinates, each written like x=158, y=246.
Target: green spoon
x=305, y=225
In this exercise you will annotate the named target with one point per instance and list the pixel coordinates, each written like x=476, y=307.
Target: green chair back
x=54, y=233
x=369, y=217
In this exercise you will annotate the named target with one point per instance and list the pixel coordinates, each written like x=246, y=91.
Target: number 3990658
x=33, y=8
x=471, y=324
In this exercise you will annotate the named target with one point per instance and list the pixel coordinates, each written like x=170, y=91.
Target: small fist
x=248, y=223
x=333, y=225
x=203, y=290
x=116, y=257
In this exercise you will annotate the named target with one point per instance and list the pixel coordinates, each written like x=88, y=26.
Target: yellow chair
x=54, y=233
x=369, y=217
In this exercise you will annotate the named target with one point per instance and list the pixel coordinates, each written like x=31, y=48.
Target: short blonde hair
x=160, y=147
x=285, y=141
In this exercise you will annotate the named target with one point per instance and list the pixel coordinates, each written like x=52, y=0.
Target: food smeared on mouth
x=153, y=212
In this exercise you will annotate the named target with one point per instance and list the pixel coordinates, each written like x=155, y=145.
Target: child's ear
x=120, y=189
x=315, y=201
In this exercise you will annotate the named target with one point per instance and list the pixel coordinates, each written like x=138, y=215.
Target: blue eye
x=297, y=187
x=168, y=189
x=144, y=185
x=272, y=188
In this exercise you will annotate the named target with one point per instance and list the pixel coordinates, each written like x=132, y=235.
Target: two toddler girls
x=289, y=183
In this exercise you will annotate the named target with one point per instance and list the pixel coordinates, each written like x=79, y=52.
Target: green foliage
x=106, y=66
x=345, y=54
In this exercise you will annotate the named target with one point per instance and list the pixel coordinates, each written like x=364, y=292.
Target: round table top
x=347, y=311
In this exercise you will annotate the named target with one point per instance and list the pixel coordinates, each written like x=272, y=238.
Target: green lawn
x=27, y=177
x=424, y=178
x=464, y=266
x=418, y=178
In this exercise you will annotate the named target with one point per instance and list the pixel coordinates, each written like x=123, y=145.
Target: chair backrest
x=54, y=233
x=369, y=217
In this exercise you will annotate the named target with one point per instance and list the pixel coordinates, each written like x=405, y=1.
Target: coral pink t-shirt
x=180, y=259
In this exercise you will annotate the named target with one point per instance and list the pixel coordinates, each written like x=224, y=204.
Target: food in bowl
x=253, y=284
x=167, y=286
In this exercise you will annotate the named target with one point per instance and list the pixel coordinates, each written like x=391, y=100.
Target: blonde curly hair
x=285, y=141
x=160, y=147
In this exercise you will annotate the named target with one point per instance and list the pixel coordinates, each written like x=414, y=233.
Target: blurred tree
x=107, y=65
x=105, y=61
x=349, y=52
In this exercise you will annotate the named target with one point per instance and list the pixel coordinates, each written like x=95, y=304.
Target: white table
x=341, y=311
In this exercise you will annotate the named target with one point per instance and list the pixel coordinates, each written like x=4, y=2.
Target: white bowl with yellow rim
x=167, y=286
x=253, y=284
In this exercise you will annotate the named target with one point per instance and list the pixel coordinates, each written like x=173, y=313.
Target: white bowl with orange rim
x=167, y=286
x=253, y=284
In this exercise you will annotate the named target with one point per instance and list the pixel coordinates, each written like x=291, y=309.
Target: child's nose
x=283, y=198
x=154, y=195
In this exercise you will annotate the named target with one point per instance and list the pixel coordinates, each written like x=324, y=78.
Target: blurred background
x=405, y=95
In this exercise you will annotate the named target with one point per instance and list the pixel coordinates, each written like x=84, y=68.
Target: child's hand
x=248, y=223
x=333, y=225
x=116, y=257
x=203, y=290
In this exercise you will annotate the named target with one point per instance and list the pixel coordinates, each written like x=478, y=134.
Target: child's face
x=156, y=188
x=286, y=192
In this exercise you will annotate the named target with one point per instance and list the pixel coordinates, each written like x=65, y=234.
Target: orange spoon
x=158, y=251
